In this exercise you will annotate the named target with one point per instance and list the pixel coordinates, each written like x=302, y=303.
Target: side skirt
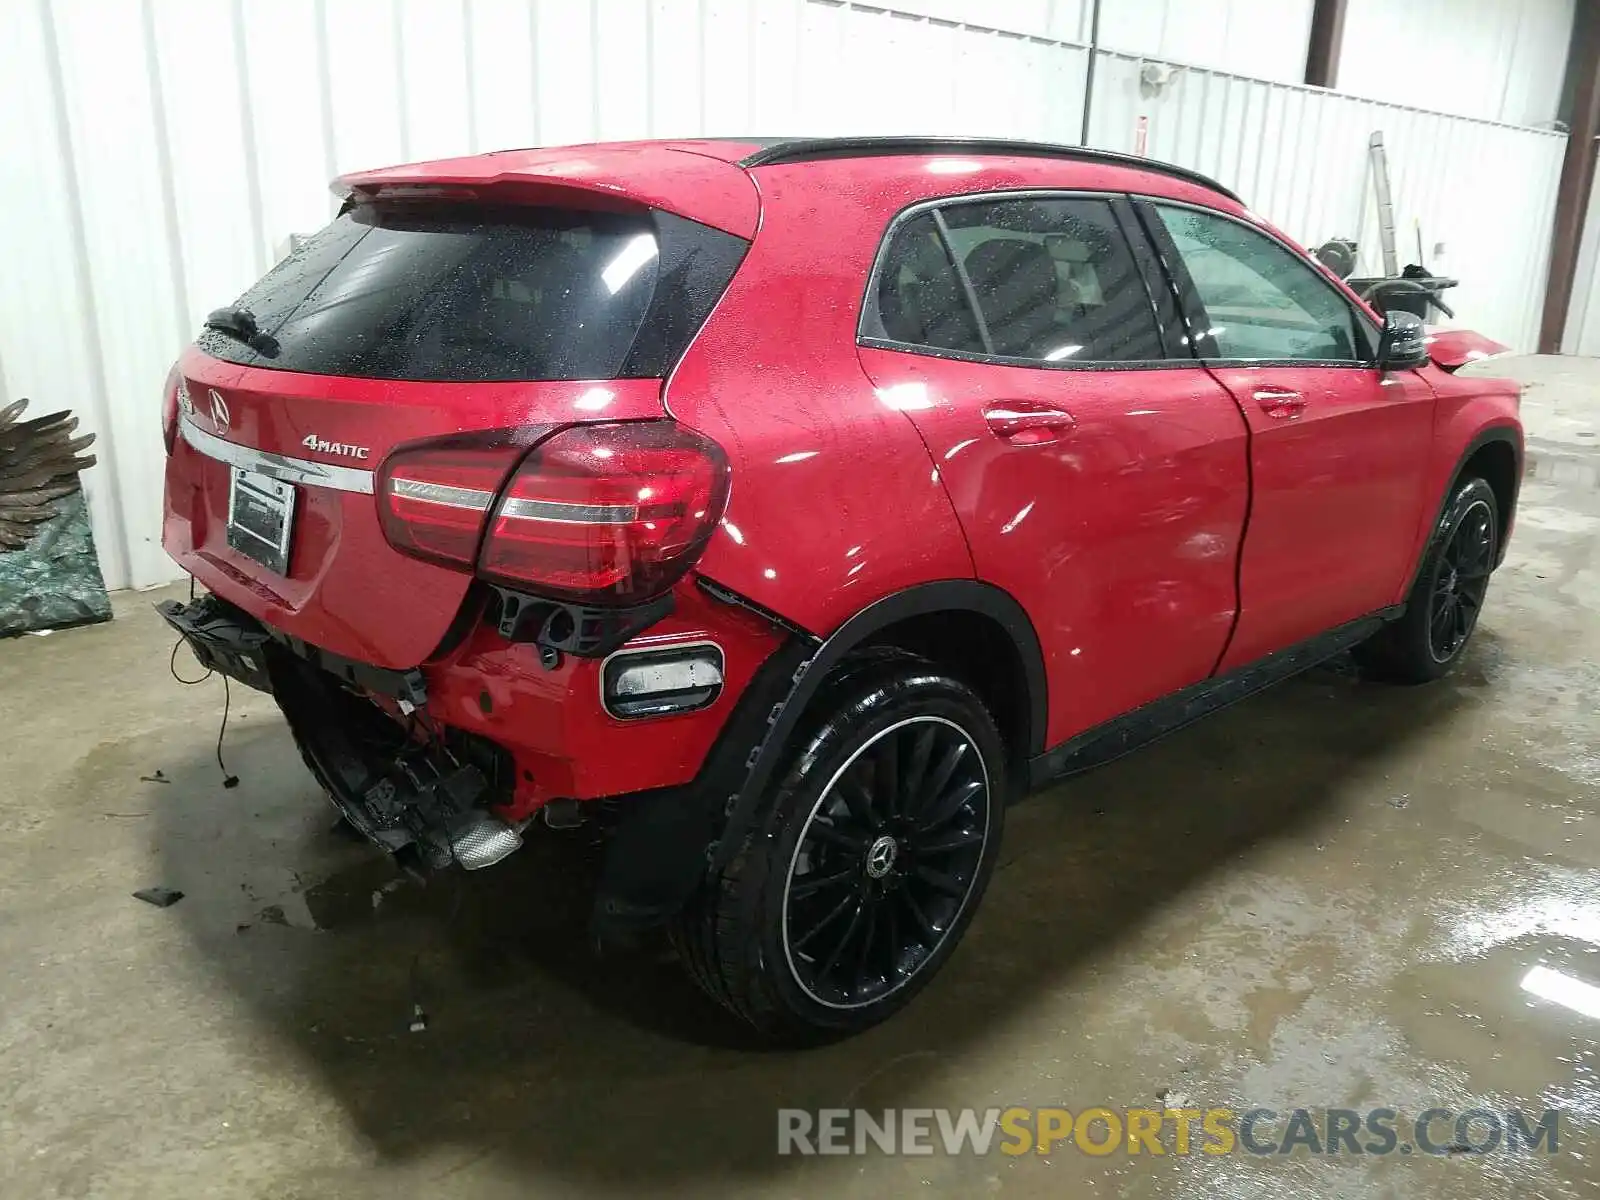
x=1145, y=724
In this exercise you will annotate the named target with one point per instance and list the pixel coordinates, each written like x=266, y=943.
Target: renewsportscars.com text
x=1160, y=1131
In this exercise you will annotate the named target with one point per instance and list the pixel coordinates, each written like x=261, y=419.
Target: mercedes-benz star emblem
x=880, y=857
x=219, y=409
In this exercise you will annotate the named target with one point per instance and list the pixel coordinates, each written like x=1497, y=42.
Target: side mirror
x=1403, y=343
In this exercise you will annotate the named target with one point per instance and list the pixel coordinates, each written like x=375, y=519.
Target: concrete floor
x=1324, y=897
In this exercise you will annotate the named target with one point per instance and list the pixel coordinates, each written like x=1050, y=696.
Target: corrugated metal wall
x=1497, y=59
x=1299, y=157
x=156, y=154
x=1265, y=38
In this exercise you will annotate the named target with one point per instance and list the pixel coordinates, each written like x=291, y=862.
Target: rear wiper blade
x=240, y=324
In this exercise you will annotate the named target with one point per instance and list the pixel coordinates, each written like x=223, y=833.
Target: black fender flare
x=949, y=595
x=1508, y=434
x=671, y=839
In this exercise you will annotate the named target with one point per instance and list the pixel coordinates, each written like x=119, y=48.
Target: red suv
x=784, y=509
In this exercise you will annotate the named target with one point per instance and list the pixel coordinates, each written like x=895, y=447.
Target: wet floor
x=1338, y=895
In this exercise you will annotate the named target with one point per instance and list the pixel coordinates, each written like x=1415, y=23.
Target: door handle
x=1028, y=423
x=1280, y=402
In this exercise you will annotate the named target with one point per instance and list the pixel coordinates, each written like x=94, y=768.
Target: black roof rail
x=816, y=149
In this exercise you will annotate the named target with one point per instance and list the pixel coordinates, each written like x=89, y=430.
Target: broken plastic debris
x=419, y=1019
x=161, y=897
x=394, y=885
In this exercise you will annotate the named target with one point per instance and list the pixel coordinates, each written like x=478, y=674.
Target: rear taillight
x=600, y=514
x=169, y=408
x=434, y=496
x=607, y=513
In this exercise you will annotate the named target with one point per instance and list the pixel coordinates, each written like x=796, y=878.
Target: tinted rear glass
x=476, y=293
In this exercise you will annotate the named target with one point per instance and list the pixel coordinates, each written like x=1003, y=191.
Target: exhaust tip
x=481, y=840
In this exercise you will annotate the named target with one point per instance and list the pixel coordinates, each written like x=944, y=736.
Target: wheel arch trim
x=942, y=596
x=672, y=838
x=1503, y=432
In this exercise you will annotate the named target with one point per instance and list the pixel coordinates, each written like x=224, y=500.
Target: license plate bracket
x=261, y=518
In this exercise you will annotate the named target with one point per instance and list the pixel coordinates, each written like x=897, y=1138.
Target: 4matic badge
x=322, y=446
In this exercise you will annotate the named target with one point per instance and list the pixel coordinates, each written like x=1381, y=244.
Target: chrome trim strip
x=442, y=494
x=558, y=513
x=276, y=466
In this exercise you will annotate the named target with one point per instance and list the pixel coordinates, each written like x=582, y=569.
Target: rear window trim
x=959, y=199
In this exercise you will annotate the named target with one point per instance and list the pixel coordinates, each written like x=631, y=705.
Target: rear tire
x=865, y=863
x=1447, y=596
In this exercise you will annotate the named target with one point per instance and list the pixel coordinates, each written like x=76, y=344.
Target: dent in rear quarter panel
x=1468, y=408
x=835, y=502
x=552, y=721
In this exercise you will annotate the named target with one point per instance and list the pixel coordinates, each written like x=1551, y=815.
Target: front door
x=1100, y=483
x=1336, y=446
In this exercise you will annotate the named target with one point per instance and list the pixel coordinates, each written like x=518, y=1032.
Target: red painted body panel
x=1120, y=538
x=1453, y=348
x=1468, y=407
x=1336, y=495
x=835, y=502
x=346, y=583
x=552, y=721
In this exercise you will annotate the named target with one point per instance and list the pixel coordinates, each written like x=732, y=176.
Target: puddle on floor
x=1487, y=1015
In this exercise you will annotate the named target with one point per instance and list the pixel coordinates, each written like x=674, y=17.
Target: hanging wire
x=172, y=666
x=229, y=780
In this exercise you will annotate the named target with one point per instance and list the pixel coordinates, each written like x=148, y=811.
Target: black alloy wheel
x=867, y=860
x=886, y=862
x=1447, y=592
x=1460, y=579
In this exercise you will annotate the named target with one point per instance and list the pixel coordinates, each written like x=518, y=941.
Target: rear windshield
x=475, y=293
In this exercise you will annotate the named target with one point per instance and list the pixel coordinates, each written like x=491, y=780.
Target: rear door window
x=1053, y=281
x=460, y=293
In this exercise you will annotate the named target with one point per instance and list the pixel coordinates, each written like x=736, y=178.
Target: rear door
x=1098, y=470
x=1336, y=445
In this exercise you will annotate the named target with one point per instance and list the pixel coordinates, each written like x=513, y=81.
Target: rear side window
x=920, y=301
x=1053, y=281
x=459, y=293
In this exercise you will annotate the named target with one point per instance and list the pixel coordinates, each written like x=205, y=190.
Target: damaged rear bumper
x=451, y=796
x=414, y=790
x=220, y=642
x=231, y=642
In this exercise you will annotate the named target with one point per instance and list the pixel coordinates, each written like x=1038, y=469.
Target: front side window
x=1053, y=282
x=1261, y=301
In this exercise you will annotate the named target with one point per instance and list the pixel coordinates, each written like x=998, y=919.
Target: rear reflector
x=607, y=514
x=652, y=683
